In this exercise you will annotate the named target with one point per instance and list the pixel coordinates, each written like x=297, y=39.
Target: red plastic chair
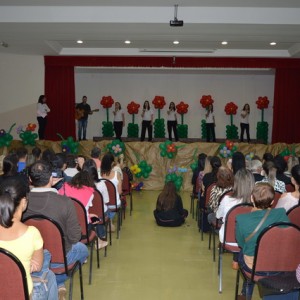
x=276, y=198
x=294, y=215
x=290, y=188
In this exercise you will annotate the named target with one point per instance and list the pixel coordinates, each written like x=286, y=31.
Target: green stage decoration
x=133, y=129
x=262, y=127
x=116, y=147
x=231, y=130
x=159, y=124
x=27, y=136
x=107, y=126
x=6, y=137
x=182, y=129
x=227, y=149
x=68, y=145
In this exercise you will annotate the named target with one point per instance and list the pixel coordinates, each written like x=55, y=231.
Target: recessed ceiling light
x=273, y=43
x=79, y=42
x=224, y=43
x=176, y=42
x=127, y=42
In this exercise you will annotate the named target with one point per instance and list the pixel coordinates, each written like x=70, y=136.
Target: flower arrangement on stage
x=182, y=129
x=168, y=149
x=6, y=137
x=262, y=128
x=27, y=136
x=231, y=130
x=68, y=145
x=116, y=147
x=142, y=169
x=133, y=129
x=175, y=174
x=249, y=156
x=227, y=149
x=107, y=126
x=159, y=124
x=205, y=101
x=137, y=186
x=286, y=153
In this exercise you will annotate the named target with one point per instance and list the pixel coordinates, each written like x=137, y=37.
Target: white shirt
x=42, y=110
x=148, y=115
x=118, y=116
x=210, y=118
x=244, y=117
x=101, y=187
x=287, y=201
x=171, y=115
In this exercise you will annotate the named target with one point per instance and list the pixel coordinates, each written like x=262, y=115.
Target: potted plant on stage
x=262, y=126
x=159, y=124
x=231, y=130
x=182, y=129
x=107, y=126
x=205, y=101
x=133, y=129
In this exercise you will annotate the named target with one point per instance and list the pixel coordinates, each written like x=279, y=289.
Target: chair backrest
x=289, y=188
x=13, y=279
x=82, y=218
x=277, y=249
x=276, y=198
x=294, y=215
x=230, y=224
x=112, y=192
x=98, y=206
x=126, y=185
x=207, y=193
x=52, y=235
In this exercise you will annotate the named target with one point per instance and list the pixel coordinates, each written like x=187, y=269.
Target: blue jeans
x=100, y=229
x=82, y=125
x=80, y=252
x=48, y=289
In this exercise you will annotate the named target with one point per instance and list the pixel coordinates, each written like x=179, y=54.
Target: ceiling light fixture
x=127, y=42
x=224, y=43
x=176, y=42
x=176, y=22
x=273, y=43
x=79, y=42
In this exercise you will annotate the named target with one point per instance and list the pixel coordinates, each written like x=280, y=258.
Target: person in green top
x=262, y=199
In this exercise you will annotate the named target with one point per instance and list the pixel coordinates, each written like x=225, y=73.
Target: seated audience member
x=36, y=154
x=270, y=177
x=95, y=155
x=255, y=167
x=58, y=165
x=281, y=167
x=241, y=193
x=118, y=164
x=289, y=200
x=238, y=162
x=45, y=200
x=48, y=155
x=71, y=161
x=246, y=224
x=81, y=188
x=169, y=210
x=22, y=154
x=267, y=157
x=211, y=177
x=80, y=161
x=292, y=161
x=25, y=242
x=196, y=172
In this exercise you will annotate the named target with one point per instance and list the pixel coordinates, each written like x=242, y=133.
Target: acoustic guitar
x=79, y=113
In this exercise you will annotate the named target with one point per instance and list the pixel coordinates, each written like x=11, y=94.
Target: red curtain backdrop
x=60, y=93
x=60, y=86
x=286, y=106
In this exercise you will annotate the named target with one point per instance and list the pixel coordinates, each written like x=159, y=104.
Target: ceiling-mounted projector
x=176, y=22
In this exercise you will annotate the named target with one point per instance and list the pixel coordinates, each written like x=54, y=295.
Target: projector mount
x=176, y=22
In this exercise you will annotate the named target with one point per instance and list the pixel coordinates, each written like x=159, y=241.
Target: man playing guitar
x=83, y=110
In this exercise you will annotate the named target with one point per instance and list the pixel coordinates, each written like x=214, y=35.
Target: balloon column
x=227, y=149
x=182, y=129
x=231, y=130
x=159, y=124
x=27, y=136
x=262, y=127
x=116, y=147
x=133, y=129
x=205, y=101
x=142, y=169
x=68, y=145
x=6, y=137
x=107, y=126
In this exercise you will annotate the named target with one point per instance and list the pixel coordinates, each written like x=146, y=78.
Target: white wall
x=124, y=86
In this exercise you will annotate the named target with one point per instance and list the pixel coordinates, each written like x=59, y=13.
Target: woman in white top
x=210, y=124
x=119, y=120
x=172, y=121
x=42, y=111
x=245, y=122
x=289, y=200
x=147, y=123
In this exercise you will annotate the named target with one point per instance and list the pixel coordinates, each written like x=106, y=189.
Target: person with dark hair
x=238, y=162
x=211, y=177
x=35, y=155
x=22, y=153
x=248, y=225
x=147, y=122
x=169, y=210
x=42, y=112
x=95, y=155
x=268, y=157
x=119, y=120
x=289, y=200
x=48, y=155
x=281, y=167
x=210, y=124
x=245, y=122
x=172, y=121
x=25, y=242
x=43, y=199
x=71, y=169
x=196, y=172
x=83, y=111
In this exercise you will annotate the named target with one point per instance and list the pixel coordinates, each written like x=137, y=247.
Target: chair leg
x=209, y=240
x=131, y=207
x=237, y=283
x=91, y=260
x=214, y=244
x=119, y=222
x=109, y=229
x=220, y=268
x=81, y=283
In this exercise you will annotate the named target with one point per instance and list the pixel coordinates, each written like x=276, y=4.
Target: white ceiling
x=52, y=27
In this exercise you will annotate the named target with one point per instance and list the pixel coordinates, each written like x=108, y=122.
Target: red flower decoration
x=30, y=127
x=206, y=100
x=262, y=102
x=231, y=108
x=159, y=102
x=182, y=108
x=107, y=102
x=133, y=108
x=171, y=148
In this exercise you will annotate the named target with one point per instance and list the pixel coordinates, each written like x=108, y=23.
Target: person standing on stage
x=83, y=111
x=172, y=121
x=119, y=120
x=147, y=123
x=42, y=112
x=210, y=123
x=245, y=122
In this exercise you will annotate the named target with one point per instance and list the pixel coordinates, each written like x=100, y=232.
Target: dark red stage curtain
x=286, y=106
x=60, y=93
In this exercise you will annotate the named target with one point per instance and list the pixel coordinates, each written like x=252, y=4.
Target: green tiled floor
x=150, y=262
